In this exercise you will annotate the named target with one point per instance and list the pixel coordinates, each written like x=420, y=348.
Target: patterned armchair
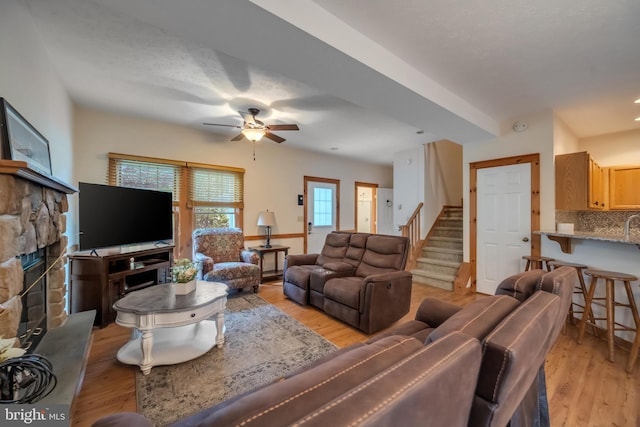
x=221, y=257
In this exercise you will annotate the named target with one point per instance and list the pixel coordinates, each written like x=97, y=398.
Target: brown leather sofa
x=517, y=327
x=358, y=278
x=476, y=365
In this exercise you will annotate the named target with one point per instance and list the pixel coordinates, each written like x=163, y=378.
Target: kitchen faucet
x=626, y=226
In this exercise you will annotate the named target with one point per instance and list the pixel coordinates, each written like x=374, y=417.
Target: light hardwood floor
x=584, y=388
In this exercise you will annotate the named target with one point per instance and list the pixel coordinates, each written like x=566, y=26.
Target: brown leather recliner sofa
x=358, y=278
x=476, y=365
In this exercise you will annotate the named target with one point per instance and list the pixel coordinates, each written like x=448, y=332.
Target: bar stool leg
x=611, y=321
x=526, y=267
x=587, y=308
x=636, y=318
x=591, y=318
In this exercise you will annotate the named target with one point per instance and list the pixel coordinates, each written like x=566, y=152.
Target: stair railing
x=412, y=230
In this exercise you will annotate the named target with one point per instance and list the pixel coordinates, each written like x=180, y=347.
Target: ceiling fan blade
x=238, y=137
x=273, y=137
x=218, y=124
x=248, y=118
x=283, y=127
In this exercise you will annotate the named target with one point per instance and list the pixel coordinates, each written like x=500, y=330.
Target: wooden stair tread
x=428, y=260
x=443, y=250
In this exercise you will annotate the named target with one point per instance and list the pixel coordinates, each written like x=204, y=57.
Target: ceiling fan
x=254, y=129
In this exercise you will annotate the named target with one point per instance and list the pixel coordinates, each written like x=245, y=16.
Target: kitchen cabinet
x=581, y=184
x=624, y=187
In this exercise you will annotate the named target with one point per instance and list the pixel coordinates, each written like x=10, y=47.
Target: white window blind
x=216, y=186
x=138, y=172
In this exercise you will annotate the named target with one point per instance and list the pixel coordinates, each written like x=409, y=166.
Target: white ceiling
x=361, y=76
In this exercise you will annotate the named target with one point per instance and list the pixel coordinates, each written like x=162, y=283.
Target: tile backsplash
x=607, y=222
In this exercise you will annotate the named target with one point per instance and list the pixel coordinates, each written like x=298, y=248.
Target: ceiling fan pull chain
x=254, y=151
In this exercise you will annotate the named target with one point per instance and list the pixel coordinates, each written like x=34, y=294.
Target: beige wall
x=614, y=149
x=272, y=181
x=537, y=138
x=32, y=86
x=564, y=141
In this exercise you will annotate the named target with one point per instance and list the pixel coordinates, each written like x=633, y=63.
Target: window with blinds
x=216, y=194
x=148, y=175
x=215, y=187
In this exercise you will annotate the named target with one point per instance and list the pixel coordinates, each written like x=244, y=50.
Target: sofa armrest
x=250, y=257
x=302, y=259
x=205, y=264
x=299, y=259
x=434, y=312
x=385, y=298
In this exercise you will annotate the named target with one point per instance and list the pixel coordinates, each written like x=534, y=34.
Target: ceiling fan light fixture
x=253, y=135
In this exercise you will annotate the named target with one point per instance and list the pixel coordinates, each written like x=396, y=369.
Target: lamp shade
x=266, y=219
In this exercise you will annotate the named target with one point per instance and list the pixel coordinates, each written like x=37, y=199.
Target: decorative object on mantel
x=183, y=274
x=267, y=220
x=21, y=141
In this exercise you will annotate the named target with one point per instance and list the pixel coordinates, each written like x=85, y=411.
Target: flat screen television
x=115, y=216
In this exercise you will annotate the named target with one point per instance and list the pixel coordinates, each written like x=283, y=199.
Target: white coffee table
x=170, y=328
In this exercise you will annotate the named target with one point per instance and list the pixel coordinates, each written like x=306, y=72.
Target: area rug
x=261, y=344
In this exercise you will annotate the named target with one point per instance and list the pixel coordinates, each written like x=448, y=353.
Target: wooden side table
x=274, y=249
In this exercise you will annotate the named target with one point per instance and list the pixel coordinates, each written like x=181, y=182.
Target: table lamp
x=267, y=219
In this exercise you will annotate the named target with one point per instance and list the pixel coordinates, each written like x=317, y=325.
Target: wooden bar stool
x=537, y=262
x=580, y=289
x=634, y=350
x=610, y=303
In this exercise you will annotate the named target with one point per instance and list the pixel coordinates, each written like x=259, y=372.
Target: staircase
x=442, y=252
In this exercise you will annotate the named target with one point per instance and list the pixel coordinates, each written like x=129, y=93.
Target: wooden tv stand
x=97, y=281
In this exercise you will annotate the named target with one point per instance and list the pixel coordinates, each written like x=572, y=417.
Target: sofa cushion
x=334, y=249
x=357, y=245
x=299, y=274
x=383, y=254
x=476, y=319
x=520, y=286
x=241, y=272
x=319, y=276
x=345, y=290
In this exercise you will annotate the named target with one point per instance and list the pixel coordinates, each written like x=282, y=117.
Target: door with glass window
x=321, y=211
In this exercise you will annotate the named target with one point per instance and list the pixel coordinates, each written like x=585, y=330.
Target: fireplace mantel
x=21, y=169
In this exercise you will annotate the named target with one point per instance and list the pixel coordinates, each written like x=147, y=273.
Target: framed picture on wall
x=21, y=141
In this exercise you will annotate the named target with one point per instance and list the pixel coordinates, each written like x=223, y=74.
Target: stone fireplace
x=32, y=252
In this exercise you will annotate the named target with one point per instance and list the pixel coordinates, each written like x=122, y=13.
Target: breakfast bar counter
x=564, y=239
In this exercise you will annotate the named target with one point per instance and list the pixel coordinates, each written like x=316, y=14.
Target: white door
x=321, y=213
x=504, y=223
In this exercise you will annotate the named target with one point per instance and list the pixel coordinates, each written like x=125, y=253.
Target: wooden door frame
x=308, y=179
x=374, y=189
x=534, y=160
